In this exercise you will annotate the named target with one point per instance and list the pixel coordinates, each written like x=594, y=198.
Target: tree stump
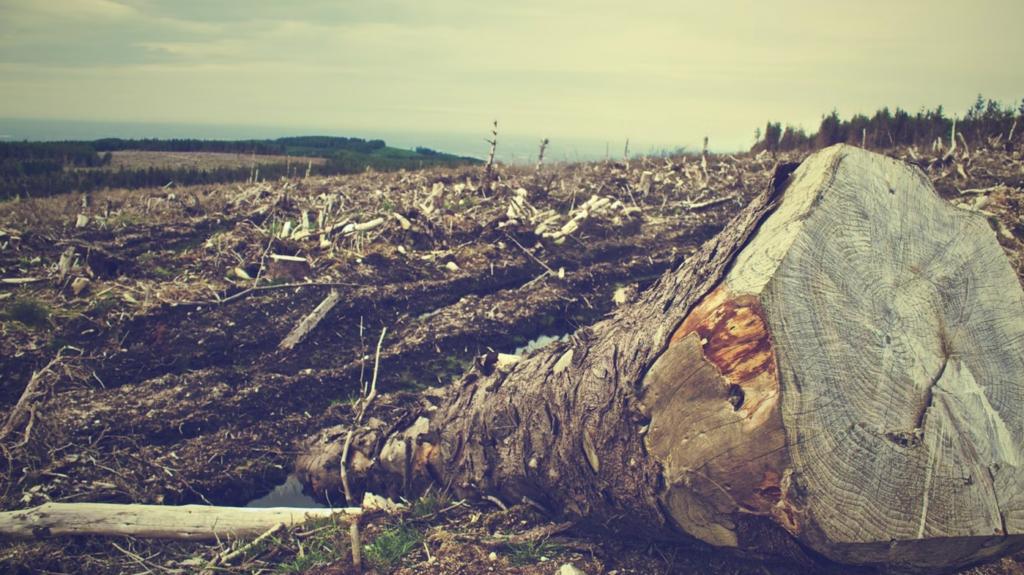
x=857, y=376
x=843, y=363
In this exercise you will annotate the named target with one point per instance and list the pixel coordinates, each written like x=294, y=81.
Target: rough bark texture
x=562, y=427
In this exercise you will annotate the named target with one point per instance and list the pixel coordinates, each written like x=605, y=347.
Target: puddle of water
x=538, y=343
x=289, y=494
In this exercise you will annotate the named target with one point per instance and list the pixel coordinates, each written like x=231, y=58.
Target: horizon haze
x=662, y=74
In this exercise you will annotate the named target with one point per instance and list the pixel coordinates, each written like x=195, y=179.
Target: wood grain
x=899, y=326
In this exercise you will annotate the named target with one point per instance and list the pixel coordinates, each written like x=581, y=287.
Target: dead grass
x=141, y=160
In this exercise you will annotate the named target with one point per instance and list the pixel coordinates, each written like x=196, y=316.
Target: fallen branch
x=364, y=403
x=263, y=261
x=186, y=522
x=249, y=291
x=531, y=536
x=228, y=557
x=543, y=275
x=24, y=406
x=980, y=190
x=707, y=204
x=527, y=252
x=310, y=322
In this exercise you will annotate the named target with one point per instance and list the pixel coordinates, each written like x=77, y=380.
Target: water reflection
x=289, y=494
x=538, y=343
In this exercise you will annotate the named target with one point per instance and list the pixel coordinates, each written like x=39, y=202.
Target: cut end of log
x=858, y=377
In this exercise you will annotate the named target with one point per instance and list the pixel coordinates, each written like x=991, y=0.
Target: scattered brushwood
x=987, y=180
x=168, y=307
x=159, y=288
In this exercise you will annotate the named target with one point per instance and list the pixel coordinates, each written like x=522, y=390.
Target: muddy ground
x=149, y=324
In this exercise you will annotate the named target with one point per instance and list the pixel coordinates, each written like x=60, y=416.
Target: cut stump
x=857, y=376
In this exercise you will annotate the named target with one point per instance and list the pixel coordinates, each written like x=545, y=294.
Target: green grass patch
x=29, y=312
x=276, y=281
x=350, y=400
x=57, y=344
x=123, y=221
x=163, y=273
x=430, y=503
x=189, y=244
x=392, y=546
x=104, y=305
x=531, y=551
x=328, y=544
x=307, y=559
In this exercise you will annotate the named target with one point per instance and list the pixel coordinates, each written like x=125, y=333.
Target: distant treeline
x=34, y=169
x=258, y=147
x=63, y=181
x=326, y=146
x=985, y=119
x=317, y=146
x=70, y=154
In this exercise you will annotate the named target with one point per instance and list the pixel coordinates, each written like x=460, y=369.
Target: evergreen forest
x=985, y=122
x=36, y=169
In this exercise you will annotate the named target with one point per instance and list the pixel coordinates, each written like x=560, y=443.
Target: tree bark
x=843, y=363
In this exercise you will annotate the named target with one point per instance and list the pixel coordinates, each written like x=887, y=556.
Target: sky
x=661, y=73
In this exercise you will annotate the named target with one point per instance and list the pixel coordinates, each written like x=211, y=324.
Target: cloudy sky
x=664, y=73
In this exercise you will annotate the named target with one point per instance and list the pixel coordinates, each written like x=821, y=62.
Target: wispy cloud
x=82, y=9
x=198, y=50
x=669, y=71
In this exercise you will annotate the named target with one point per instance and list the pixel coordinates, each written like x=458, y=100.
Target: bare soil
x=162, y=380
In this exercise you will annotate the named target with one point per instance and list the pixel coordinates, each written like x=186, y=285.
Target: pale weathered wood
x=190, y=522
x=869, y=399
x=309, y=323
x=900, y=329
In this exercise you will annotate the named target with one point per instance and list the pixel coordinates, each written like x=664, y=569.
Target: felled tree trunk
x=843, y=363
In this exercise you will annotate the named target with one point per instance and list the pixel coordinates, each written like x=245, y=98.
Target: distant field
x=136, y=159
x=36, y=169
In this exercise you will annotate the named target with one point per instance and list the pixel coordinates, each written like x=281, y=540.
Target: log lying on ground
x=843, y=363
x=309, y=323
x=189, y=522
